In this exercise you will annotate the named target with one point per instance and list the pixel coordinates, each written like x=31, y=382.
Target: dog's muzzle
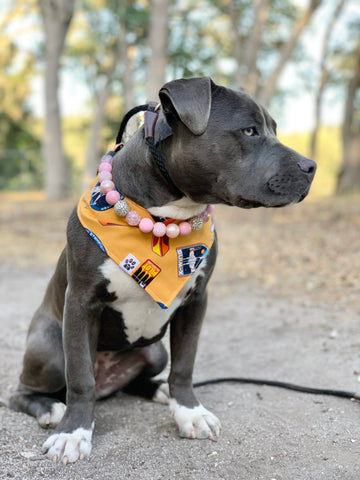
x=294, y=183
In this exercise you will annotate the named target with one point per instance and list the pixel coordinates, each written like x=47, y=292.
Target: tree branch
x=268, y=91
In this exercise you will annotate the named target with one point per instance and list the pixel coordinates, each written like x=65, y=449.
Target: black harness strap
x=150, y=119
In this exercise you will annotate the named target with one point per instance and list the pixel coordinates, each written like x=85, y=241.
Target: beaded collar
x=133, y=218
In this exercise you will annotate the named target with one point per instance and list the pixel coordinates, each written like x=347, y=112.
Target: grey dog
x=97, y=331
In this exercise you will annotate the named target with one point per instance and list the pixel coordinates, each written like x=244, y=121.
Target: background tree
x=257, y=38
x=349, y=176
x=20, y=163
x=102, y=62
x=107, y=50
x=56, y=16
x=256, y=35
x=158, y=45
x=324, y=74
x=286, y=50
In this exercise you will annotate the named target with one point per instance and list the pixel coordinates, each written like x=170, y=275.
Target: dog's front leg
x=72, y=438
x=193, y=420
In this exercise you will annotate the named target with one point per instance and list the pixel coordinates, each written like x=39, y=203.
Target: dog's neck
x=136, y=176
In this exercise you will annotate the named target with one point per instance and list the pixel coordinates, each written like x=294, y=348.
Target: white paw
x=162, y=394
x=53, y=418
x=69, y=447
x=195, y=422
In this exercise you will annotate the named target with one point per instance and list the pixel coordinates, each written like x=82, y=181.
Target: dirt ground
x=284, y=305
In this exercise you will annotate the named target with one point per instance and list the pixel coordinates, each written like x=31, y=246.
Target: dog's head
x=224, y=148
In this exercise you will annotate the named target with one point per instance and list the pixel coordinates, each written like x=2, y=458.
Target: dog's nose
x=307, y=166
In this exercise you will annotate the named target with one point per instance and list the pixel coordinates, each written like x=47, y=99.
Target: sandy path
x=268, y=433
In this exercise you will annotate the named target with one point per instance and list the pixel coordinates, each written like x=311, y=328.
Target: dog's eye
x=249, y=132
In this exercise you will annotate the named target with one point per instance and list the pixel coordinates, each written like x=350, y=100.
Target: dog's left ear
x=190, y=99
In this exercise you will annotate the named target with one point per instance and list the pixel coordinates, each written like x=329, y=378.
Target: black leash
x=127, y=116
x=150, y=118
x=289, y=386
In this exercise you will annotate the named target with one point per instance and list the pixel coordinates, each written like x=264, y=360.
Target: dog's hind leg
x=47, y=410
x=144, y=384
x=41, y=391
x=42, y=381
x=131, y=371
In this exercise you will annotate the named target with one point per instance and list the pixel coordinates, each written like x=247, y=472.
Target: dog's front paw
x=68, y=447
x=195, y=422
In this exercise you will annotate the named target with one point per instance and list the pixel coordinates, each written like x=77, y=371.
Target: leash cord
x=127, y=116
x=289, y=386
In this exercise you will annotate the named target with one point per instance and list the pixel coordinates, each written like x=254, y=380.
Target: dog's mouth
x=243, y=203
x=278, y=202
x=304, y=195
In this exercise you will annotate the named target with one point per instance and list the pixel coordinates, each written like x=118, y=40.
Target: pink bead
x=210, y=208
x=112, y=197
x=159, y=229
x=205, y=216
x=146, y=225
x=105, y=166
x=133, y=218
x=105, y=175
x=185, y=228
x=107, y=159
x=172, y=230
x=106, y=186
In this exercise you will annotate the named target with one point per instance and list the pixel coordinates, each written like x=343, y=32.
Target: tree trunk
x=237, y=47
x=128, y=68
x=158, y=42
x=92, y=154
x=56, y=15
x=126, y=59
x=349, y=177
x=120, y=54
x=261, y=15
x=323, y=77
x=268, y=91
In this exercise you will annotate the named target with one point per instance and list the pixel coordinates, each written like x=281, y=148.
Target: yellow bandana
x=160, y=265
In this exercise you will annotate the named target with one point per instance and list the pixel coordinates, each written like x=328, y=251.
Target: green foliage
x=20, y=159
x=199, y=41
x=94, y=38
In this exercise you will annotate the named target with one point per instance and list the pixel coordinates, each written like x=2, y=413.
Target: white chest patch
x=141, y=314
x=180, y=209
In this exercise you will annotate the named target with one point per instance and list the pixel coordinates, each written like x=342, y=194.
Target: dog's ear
x=190, y=99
